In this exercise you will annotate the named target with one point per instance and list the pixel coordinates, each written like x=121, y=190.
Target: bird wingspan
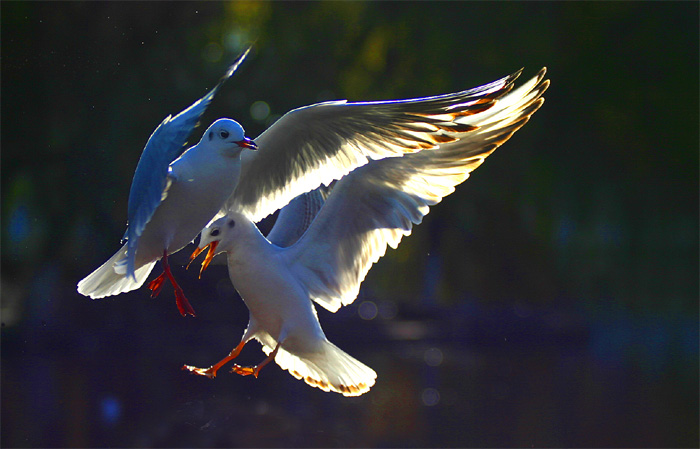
x=377, y=204
x=318, y=144
x=167, y=143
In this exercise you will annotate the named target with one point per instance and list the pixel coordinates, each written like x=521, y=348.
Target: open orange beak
x=207, y=259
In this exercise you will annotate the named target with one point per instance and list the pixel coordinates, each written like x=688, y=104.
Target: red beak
x=207, y=259
x=247, y=143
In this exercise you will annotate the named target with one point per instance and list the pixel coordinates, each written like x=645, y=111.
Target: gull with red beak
x=174, y=193
x=372, y=207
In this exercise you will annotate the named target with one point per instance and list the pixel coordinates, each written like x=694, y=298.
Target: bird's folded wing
x=296, y=217
x=167, y=143
x=317, y=144
x=377, y=204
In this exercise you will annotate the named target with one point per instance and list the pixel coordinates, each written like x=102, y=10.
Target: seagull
x=173, y=192
x=373, y=206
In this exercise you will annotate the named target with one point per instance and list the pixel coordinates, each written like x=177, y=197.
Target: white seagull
x=372, y=207
x=174, y=194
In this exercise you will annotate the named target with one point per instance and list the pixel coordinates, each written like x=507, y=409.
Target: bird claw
x=245, y=370
x=183, y=305
x=208, y=372
x=156, y=285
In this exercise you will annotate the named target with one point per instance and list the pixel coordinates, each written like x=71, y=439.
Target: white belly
x=278, y=304
x=192, y=201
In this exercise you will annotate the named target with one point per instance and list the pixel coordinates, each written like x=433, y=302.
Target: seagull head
x=226, y=133
x=210, y=238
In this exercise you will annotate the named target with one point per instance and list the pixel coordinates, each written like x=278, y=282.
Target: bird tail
x=328, y=368
x=111, y=279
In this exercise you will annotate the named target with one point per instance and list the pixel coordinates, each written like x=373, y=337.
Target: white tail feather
x=106, y=281
x=329, y=368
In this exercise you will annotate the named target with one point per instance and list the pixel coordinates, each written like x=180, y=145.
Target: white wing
x=377, y=204
x=318, y=144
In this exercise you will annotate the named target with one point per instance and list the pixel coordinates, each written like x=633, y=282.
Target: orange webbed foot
x=208, y=372
x=211, y=371
x=255, y=370
x=246, y=370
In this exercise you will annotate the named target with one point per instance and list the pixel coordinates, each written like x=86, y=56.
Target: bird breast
x=275, y=299
x=198, y=192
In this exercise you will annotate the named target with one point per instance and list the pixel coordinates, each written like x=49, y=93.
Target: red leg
x=255, y=370
x=211, y=371
x=183, y=305
x=156, y=285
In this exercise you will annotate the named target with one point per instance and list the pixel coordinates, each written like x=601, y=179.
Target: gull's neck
x=245, y=239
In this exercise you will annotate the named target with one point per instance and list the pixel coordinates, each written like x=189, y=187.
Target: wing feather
x=167, y=143
x=318, y=144
x=295, y=218
x=377, y=204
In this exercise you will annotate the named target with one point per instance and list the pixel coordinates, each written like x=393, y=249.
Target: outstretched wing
x=317, y=144
x=377, y=204
x=150, y=184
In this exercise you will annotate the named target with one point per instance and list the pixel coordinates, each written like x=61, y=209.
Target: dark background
x=552, y=300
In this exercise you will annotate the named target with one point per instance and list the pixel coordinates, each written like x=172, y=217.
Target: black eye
x=211, y=135
x=223, y=134
x=215, y=232
x=231, y=223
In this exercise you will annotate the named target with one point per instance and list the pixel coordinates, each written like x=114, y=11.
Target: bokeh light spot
x=110, y=410
x=367, y=310
x=19, y=224
x=259, y=110
x=388, y=309
x=433, y=357
x=430, y=397
x=212, y=52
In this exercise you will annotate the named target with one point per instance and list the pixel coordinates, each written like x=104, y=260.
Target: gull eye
x=223, y=133
x=231, y=223
x=215, y=232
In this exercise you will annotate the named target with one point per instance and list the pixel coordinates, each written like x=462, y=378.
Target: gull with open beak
x=372, y=207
